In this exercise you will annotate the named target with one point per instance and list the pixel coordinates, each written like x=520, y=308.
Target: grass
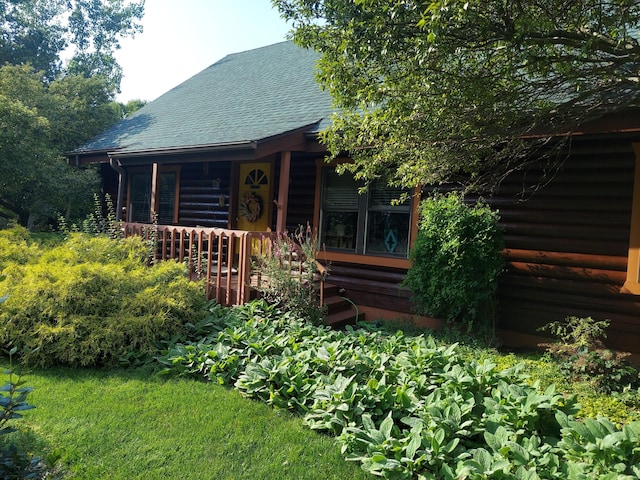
x=131, y=424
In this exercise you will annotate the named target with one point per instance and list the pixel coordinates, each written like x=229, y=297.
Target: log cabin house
x=235, y=149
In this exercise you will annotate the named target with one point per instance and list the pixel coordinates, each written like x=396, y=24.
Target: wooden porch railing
x=225, y=258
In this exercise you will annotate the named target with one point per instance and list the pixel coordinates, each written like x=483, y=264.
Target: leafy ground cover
x=398, y=405
x=404, y=406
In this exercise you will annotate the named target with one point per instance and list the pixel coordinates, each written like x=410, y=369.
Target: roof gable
x=244, y=97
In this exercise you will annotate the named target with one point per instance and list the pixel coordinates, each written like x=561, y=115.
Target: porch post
x=154, y=191
x=283, y=192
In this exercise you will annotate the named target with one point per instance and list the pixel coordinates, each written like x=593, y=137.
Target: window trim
x=632, y=283
x=360, y=258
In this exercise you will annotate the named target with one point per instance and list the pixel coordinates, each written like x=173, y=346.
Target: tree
x=39, y=31
x=38, y=123
x=95, y=27
x=31, y=33
x=47, y=106
x=81, y=107
x=126, y=109
x=427, y=90
x=23, y=140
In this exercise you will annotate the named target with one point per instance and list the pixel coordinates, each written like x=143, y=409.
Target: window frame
x=365, y=210
x=155, y=172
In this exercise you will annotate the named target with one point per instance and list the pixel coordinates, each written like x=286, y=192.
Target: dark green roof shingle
x=246, y=96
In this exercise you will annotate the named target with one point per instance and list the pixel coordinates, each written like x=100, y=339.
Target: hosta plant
x=405, y=406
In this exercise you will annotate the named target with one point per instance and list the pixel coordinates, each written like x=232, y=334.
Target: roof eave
x=186, y=149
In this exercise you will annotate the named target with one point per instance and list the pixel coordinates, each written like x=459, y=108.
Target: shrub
x=584, y=358
x=102, y=221
x=130, y=253
x=455, y=261
x=289, y=272
x=92, y=301
x=15, y=247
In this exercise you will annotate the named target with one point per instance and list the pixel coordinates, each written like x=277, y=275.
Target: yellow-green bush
x=15, y=248
x=82, y=248
x=92, y=301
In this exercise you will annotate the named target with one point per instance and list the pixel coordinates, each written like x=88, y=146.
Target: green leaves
x=598, y=443
x=402, y=406
x=456, y=261
x=13, y=400
x=47, y=110
x=38, y=32
x=428, y=90
x=14, y=461
x=92, y=300
x=39, y=123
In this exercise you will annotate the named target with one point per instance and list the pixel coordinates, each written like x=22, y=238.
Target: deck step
x=337, y=304
x=343, y=318
x=340, y=310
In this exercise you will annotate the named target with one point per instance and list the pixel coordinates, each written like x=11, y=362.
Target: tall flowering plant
x=290, y=274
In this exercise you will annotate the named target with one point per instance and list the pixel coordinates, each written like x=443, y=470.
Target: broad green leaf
x=413, y=422
x=519, y=453
x=492, y=441
x=387, y=425
x=415, y=441
x=483, y=458
x=611, y=440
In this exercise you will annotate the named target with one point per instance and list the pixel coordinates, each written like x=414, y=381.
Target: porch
x=227, y=261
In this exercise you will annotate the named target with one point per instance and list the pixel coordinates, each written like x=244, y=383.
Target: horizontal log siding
x=567, y=244
x=200, y=194
x=376, y=287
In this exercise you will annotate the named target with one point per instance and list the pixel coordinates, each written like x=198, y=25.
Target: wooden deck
x=225, y=258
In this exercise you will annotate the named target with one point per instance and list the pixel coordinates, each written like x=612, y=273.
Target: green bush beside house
x=456, y=261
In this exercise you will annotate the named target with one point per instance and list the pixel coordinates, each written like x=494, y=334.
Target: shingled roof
x=245, y=97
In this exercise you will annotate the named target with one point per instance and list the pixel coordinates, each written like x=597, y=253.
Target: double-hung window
x=141, y=196
x=139, y=208
x=369, y=223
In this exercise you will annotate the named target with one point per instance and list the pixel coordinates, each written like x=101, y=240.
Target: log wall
x=566, y=247
x=567, y=243
x=376, y=287
x=202, y=186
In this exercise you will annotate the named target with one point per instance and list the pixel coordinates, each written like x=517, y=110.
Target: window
x=366, y=224
x=166, y=197
x=140, y=203
x=139, y=197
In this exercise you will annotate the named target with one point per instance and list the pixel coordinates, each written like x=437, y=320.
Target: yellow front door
x=254, y=191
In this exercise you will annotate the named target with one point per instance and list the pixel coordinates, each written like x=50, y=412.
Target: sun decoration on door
x=251, y=207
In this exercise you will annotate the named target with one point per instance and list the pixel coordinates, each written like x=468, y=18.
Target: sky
x=183, y=37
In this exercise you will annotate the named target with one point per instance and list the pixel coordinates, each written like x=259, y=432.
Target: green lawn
x=131, y=424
